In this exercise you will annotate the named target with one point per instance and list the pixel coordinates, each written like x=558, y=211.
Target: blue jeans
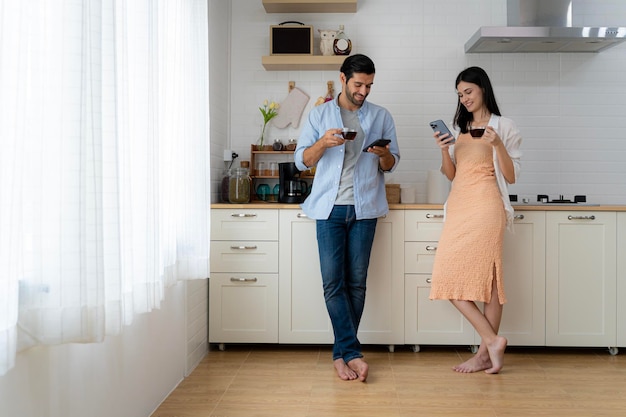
x=345, y=244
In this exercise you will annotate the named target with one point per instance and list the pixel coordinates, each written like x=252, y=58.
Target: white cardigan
x=512, y=139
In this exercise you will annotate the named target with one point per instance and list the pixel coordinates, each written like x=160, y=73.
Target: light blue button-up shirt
x=370, y=200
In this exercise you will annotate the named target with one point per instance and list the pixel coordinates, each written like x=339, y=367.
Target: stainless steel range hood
x=542, y=26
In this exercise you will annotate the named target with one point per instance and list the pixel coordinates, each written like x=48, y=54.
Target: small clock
x=342, y=46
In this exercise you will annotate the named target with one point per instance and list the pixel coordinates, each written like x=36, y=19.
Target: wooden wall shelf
x=303, y=62
x=310, y=6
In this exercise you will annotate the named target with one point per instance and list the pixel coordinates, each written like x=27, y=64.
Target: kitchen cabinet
x=243, y=286
x=427, y=321
x=564, y=281
x=524, y=263
x=310, y=6
x=306, y=62
x=581, y=278
x=302, y=311
x=437, y=322
x=621, y=279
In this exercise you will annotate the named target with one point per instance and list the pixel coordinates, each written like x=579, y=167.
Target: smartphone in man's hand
x=378, y=142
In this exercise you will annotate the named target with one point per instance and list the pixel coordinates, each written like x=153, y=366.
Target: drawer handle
x=243, y=215
x=302, y=216
x=570, y=217
x=431, y=248
x=243, y=247
x=233, y=279
x=434, y=216
x=519, y=217
x=429, y=280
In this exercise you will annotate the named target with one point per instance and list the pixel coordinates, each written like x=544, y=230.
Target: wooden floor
x=299, y=381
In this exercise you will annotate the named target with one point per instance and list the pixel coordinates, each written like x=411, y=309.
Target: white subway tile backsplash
x=568, y=107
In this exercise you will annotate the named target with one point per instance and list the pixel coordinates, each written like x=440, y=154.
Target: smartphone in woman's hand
x=440, y=126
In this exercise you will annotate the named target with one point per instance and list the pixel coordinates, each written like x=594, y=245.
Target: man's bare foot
x=476, y=363
x=343, y=371
x=496, y=354
x=361, y=368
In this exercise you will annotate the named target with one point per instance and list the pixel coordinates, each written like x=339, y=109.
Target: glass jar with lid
x=291, y=145
x=278, y=145
x=239, y=185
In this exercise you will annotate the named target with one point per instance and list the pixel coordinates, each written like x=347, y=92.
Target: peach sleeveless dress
x=469, y=253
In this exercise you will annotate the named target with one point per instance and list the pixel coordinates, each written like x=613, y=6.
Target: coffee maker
x=292, y=189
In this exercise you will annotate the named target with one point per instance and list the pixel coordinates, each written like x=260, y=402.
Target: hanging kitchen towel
x=291, y=109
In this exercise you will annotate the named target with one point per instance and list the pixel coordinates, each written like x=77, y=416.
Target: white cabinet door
x=303, y=317
x=621, y=279
x=428, y=321
x=523, y=263
x=383, y=317
x=581, y=278
x=432, y=322
x=302, y=313
x=243, y=308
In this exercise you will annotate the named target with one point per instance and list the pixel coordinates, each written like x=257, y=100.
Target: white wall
x=568, y=106
x=126, y=375
x=219, y=79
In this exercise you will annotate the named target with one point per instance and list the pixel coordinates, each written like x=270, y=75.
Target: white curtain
x=104, y=176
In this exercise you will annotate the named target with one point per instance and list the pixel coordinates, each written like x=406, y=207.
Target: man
x=347, y=197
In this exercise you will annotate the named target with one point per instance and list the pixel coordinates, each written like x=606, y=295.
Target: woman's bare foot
x=476, y=363
x=361, y=368
x=343, y=371
x=496, y=354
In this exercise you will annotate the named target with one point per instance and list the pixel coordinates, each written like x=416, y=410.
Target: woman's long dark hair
x=475, y=75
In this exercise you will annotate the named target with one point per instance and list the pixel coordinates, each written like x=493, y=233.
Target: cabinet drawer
x=244, y=256
x=419, y=257
x=423, y=225
x=244, y=224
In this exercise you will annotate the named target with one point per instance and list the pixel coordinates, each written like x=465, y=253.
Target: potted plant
x=269, y=110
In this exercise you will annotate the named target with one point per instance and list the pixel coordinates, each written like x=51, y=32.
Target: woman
x=468, y=264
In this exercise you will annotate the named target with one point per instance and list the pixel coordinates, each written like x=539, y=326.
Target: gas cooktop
x=579, y=200
x=544, y=198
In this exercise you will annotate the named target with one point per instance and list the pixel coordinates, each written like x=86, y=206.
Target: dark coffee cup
x=477, y=132
x=348, y=134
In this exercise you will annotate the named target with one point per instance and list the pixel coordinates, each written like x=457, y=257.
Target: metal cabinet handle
x=429, y=280
x=302, y=216
x=434, y=216
x=431, y=248
x=519, y=217
x=243, y=247
x=570, y=217
x=233, y=279
x=243, y=215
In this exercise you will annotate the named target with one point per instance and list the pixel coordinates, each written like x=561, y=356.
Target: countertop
x=517, y=207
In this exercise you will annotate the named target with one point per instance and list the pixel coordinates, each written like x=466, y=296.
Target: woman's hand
x=443, y=140
x=491, y=136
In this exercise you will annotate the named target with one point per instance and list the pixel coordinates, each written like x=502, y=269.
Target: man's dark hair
x=357, y=63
